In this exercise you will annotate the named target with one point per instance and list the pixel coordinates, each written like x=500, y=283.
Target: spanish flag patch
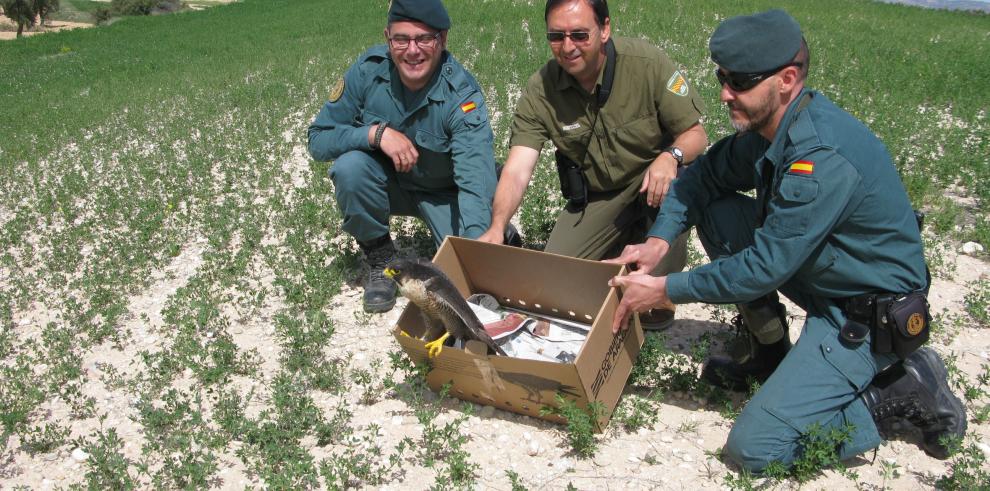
x=468, y=107
x=802, y=167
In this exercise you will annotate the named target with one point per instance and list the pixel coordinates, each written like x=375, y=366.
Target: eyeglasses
x=576, y=36
x=424, y=41
x=741, y=82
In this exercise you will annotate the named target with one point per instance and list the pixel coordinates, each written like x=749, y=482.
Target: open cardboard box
x=542, y=283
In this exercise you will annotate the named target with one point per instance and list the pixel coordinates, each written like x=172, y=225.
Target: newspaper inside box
x=543, y=284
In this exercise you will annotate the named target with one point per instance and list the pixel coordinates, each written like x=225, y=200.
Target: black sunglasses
x=576, y=36
x=741, y=82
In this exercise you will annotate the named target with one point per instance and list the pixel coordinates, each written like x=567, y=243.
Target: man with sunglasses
x=832, y=228
x=408, y=131
x=623, y=148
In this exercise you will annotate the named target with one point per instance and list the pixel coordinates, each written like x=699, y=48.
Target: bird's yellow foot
x=436, y=346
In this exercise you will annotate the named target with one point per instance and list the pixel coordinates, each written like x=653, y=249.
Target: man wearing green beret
x=408, y=132
x=623, y=118
x=831, y=228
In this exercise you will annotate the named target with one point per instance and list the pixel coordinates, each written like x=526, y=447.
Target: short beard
x=758, y=118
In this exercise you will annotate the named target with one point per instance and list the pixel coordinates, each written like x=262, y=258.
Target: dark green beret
x=429, y=12
x=756, y=43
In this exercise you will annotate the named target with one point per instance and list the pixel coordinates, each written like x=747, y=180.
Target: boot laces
x=909, y=408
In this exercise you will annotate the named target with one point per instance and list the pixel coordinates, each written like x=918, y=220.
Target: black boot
x=915, y=396
x=755, y=363
x=379, y=291
x=729, y=374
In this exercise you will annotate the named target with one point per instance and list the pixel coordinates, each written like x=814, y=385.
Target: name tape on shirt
x=468, y=107
x=802, y=167
x=677, y=85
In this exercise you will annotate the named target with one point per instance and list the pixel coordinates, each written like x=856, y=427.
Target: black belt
x=867, y=308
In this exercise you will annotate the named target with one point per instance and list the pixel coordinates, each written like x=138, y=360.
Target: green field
x=155, y=141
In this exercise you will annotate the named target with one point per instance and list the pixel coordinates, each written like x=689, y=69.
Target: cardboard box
x=542, y=283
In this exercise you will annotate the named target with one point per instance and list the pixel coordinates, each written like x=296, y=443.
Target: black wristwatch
x=677, y=153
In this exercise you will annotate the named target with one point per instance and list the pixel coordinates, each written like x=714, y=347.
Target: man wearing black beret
x=408, y=131
x=831, y=228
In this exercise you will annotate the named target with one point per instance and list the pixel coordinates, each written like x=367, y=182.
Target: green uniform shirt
x=449, y=127
x=837, y=220
x=650, y=103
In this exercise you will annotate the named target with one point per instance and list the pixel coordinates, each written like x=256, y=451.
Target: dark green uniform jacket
x=837, y=219
x=651, y=102
x=449, y=127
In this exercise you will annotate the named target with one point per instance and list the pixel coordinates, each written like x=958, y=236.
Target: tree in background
x=45, y=7
x=21, y=12
x=25, y=13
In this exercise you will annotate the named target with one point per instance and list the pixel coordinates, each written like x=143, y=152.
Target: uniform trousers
x=820, y=379
x=609, y=222
x=368, y=192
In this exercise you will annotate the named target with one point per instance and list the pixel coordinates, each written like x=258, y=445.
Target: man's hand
x=644, y=256
x=657, y=179
x=400, y=149
x=640, y=293
x=492, y=236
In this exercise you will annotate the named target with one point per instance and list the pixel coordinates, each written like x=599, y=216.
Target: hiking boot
x=657, y=319
x=729, y=374
x=379, y=291
x=762, y=343
x=915, y=395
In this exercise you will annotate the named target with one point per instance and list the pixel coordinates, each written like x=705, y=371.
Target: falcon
x=445, y=312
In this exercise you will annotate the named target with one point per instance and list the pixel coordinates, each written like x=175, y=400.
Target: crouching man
x=408, y=131
x=831, y=227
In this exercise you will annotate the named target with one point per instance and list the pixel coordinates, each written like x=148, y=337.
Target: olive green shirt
x=650, y=104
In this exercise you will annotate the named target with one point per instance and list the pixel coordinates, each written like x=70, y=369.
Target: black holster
x=897, y=324
x=573, y=182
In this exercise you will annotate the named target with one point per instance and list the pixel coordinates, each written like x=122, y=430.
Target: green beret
x=429, y=12
x=756, y=43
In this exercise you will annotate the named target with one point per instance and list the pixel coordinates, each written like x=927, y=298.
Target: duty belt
x=869, y=308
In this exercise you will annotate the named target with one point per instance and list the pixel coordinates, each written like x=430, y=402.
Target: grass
x=167, y=153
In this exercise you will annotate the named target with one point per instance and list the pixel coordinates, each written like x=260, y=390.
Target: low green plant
x=819, y=450
x=363, y=462
x=968, y=468
x=45, y=438
x=889, y=470
x=514, y=480
x=369, y=382
x=977, y=302
x=581, y=423
x=106, y=466
x=635, y=411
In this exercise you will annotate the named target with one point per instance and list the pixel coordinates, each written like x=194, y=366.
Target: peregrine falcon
x=427, y=287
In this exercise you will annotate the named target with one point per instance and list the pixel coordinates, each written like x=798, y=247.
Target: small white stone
x=700, y=442
x=984, y=448
x=971, y=248
x=534, y=449
x=360, y=356
x=666, y=438
x=891, y=460
x=396, y=420
x=527, y=436
x=79, y=455
x=503, y=438
x=642, y=431
x=632, y=459
x=687, y=457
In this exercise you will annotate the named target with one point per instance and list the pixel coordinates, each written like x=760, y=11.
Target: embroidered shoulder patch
x=337, y=90
x=468, y=107
x=802, y=167
x=677, y=85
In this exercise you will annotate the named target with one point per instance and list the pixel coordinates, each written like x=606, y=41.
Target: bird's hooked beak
x=390, y=273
